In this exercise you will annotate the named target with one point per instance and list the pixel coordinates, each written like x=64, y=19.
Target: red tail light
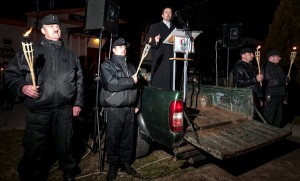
x=176, y=116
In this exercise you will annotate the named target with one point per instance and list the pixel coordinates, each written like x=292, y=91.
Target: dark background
x=255, y=16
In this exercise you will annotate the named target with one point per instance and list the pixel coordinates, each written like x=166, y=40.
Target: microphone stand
x=184, y=26
x=186, y=55
x=97, y=113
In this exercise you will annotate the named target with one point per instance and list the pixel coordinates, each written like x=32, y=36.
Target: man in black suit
x=161, y=66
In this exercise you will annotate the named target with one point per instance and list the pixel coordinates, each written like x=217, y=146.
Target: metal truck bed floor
x=224, y=134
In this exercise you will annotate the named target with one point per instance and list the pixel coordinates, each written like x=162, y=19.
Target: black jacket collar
x=51, y=44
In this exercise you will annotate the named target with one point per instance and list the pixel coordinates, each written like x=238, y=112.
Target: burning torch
x=145, y=52
x=257, y=56
x=28, y=53
x=292, y=58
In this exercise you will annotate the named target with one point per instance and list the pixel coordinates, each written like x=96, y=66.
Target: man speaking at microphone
x=161, y=66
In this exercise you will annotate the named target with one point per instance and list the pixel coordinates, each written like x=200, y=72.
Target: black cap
x=120, y=42
x=50, y=19
x=246, y=50
x=273, y=52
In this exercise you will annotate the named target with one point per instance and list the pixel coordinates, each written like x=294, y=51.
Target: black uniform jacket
x=244, y=75
x=57, y=73
x=274, y=79
x=118, y=87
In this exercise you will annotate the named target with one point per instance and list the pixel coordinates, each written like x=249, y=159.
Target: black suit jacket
x=161, y=66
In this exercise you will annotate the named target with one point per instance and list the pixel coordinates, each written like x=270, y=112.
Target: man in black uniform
x=161, y=66
x=120, y=98
x=275, y=87
x=50, y=105
x=245, y=74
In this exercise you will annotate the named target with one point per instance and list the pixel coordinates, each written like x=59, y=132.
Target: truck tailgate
x=224, y=134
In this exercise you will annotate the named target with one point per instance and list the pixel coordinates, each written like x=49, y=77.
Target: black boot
x=112, y=173
x=125, y=167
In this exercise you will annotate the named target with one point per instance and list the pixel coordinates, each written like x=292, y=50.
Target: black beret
x=50, y=19
x=273, y=52
x=246, y=50
x=120, y=42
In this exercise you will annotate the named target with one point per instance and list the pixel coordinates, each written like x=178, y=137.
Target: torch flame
x=27, y=32
x=294, y=48
x=258, y=47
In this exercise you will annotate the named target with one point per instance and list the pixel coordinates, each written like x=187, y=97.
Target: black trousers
x=119, y=134
x=274, y=110
x=47, y=137
x=258, y=107
x=161, y=75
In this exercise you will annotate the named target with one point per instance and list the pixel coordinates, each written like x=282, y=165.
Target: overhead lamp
x=94, y=42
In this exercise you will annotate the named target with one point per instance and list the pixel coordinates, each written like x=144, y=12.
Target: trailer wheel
x=142, y=147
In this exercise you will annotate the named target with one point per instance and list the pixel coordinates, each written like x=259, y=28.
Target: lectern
x=183, y=42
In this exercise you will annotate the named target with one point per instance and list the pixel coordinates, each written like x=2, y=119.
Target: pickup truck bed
x=225, y=134
x=218, y=121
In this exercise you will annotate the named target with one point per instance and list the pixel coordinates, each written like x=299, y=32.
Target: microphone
x=175, y=15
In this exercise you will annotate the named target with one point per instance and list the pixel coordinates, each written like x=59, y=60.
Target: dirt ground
x=279, y=161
